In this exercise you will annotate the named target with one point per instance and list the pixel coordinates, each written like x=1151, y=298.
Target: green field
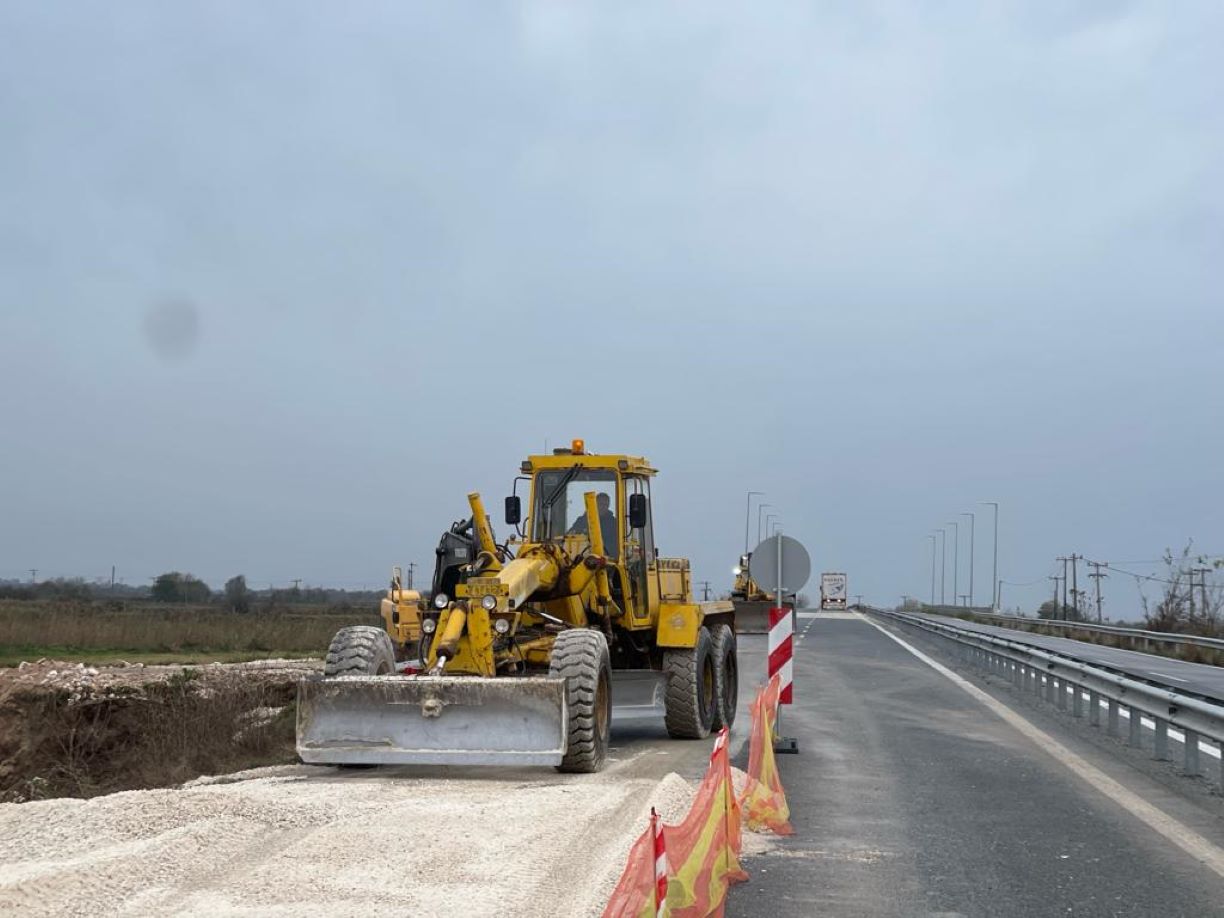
x=143, y=632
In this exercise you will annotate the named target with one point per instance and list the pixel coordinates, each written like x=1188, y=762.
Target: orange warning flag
x=763, y=801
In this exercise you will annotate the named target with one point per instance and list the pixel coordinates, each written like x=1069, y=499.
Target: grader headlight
x=441, y=601
x=488, y=602
x=501, y=625
x=429, y=625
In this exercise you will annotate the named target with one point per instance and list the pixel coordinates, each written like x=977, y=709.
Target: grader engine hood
x=431, y=720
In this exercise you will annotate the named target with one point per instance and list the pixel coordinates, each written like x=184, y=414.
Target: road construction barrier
x=763, y=802
x=684, y=871
x=700, y=855
x=781, y=650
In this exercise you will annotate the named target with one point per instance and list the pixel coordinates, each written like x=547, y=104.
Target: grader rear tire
x=581, y=657
x=726, y=676
x=690, y=703
x=360, y=650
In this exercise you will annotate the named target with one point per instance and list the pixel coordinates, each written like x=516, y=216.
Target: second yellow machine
x=525, y=646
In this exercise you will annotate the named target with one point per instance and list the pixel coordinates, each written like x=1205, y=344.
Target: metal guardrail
x=1060, y=678
x=1136, y=635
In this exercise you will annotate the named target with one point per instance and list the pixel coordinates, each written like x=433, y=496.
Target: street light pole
x=760, y=507
x=955, y=559
x=994, y=571
x=747, y=514
x=769, y=517
x=932, y=538
x=943, y=563
x=972, y=533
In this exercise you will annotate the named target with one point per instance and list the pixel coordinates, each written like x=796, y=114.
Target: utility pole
x=994, y=571
x=999, y=594
x=297, y=583
x=932, y=538
x=411, y=571
x=943, y=562
x=1202, y=572
x=705, y=589
x=112, y=576
x=1064, y=588
x=748, y=513
x=1055, y=610
x=955, y=559
x=1096, y=576
x=972, y=532
x=33, y=575
x=965, y=597
x=1075, y=593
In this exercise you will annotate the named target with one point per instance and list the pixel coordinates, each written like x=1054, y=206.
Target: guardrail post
x=1049, y=693
x=1077, y=701
x=1192, y=752
x=1162, y=739
x=1062, y=694
x=1112, y=726
x=1136, y=727
x=1094, y=709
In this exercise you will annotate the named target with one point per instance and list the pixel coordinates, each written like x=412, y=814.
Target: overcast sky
x=279, y=284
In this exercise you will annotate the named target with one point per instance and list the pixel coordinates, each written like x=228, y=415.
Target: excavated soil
x=67, y=729
x=301, y=840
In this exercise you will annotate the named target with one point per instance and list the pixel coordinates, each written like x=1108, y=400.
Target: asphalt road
x=1198, y=678
x=911, y=797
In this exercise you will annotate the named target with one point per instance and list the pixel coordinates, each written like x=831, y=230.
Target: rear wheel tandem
x=691, y=699
x=580, y=656
x=360, y=650
x=726, y=676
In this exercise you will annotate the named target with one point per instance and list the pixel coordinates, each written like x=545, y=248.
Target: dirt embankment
x=314, y=840
x=67, y=729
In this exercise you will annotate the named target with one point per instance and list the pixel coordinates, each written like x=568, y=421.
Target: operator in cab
x=607, y=526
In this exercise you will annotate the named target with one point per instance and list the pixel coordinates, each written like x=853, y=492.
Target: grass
x=147, y=633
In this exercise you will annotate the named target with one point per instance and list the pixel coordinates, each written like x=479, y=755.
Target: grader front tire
x=360, y=650
x=581, y=657
x=726, y=676
x=691, y=699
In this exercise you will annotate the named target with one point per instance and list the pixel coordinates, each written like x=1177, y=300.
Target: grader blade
x=431, y=720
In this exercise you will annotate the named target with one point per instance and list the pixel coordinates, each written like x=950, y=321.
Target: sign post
x=781, y=565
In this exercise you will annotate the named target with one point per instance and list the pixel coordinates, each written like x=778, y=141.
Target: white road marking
x=1166, y=676
x=1183, y=836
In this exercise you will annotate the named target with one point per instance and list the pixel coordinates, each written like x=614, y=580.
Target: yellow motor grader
x=525, y=646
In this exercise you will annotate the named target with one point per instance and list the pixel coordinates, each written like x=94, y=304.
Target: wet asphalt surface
x=910, y=797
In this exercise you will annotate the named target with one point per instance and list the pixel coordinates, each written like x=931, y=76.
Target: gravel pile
x=306, y=840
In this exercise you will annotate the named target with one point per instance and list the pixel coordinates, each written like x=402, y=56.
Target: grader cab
x=526, y=645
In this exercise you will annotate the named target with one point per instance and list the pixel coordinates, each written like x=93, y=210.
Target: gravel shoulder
x=302, y=839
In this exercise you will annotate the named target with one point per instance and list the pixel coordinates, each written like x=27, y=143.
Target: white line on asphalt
x=1166, y=676
x=1184, y=837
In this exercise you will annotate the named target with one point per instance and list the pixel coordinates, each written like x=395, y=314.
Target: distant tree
x=237, y=597
x=1184, y=605
x=1059, y=612
x=178, y=587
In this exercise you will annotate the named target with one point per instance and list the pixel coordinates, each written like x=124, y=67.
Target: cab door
x=640, y=562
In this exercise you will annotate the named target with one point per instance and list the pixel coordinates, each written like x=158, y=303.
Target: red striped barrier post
x=781, y=664
x=660, y=865
x=782, y=650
